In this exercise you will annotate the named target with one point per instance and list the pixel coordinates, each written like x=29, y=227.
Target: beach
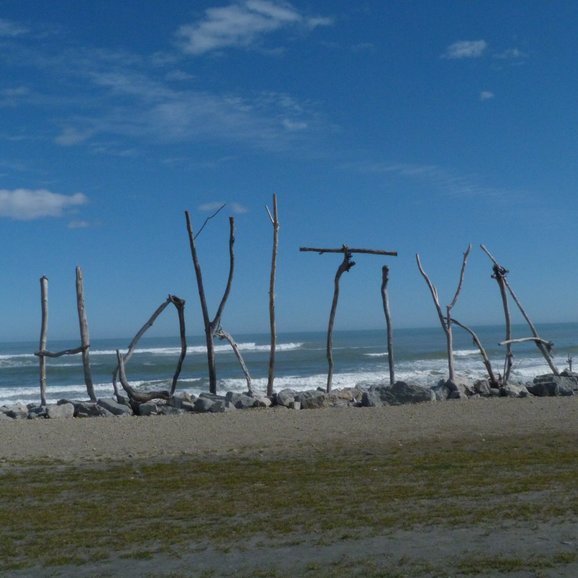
x=465, y=487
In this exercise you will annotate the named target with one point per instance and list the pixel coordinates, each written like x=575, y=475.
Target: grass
x=55, y=514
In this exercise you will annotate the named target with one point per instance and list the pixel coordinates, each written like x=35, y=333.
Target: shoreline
x=280, y=432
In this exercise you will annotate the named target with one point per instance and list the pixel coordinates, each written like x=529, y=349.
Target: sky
x=411, y=126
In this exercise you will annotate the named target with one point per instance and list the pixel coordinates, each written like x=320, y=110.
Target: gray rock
x=312, y=399
x=294, y=405
x=16, y=411
x=240, y=400
x=170, y=410
x=371, y=399
x=262, y=401
x=114, y=407
x=203, y=404
x=285, y=397
x=401, y=393
x=514, y=390
x=148, y=408
x=60, y=410
x=220, y=406
x=482, y=387
x=552, y=385
x=89, y=409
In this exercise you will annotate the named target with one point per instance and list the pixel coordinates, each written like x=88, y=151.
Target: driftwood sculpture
x=211, y=325
x=120, y=373
x=345, y=265
x=42, y=354
x=544, y=346
x=446, y=318
x=272, y=322
x=387, y=313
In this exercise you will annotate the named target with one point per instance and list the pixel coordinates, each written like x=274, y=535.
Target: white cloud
x=236, y=208
x=78, y=225
x=465, y=49
x=27, y=204
x=511, y=54
x=10, y=29
x=486, y=95
x=72, y=136
x=241, y=25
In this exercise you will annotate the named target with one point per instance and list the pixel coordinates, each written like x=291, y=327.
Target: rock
x=118, y=409
x=169, y=410
x=148, y=408
x=371, y=399
x=285, y=397
x=294, y=405
x=401, y=393
x=482, y=387
x=312, y=399
x=262, y=401
x=220, y=405
x=16, y=411
x=60, y=410
x=552, y=385
x=203, y=404
x=89, y=409
x=240, y=400
x=514, y=390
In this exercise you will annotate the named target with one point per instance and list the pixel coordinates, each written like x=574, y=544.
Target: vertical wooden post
x=386, y=310
x=43, y=337
x=346, y=265
x=84, y=336
x=272, y=322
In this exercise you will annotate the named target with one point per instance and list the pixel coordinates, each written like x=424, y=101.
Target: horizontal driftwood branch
x=348, y=250
x=61, y=353
x=524, y=339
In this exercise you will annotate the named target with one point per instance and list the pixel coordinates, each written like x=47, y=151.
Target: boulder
x=240, y=400
x=262, y=401
x=89, y=409
x=285, y=397
x=148, y=408
x=203, y=404
x=115, y=408
x=552, y=385
x=165, y=409
x=312, y=399
x=483, y=388
x=60, y=410
x=16, y=411
x=514, y=390
x=371, y=399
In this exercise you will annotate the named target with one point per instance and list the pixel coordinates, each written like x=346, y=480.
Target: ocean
x=359, y=356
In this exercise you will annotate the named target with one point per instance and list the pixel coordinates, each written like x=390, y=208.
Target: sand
x=281, y=431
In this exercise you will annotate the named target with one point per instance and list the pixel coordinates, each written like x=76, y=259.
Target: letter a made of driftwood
x=42, y=354
x=543, y=345
x=345, y=265
x=446, y=318
x=119, y=373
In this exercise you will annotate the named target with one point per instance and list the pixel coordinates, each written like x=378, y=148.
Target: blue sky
x=414, y=126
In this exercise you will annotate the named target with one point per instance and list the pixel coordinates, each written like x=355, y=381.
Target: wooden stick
x=345, y=249
x=483, y=352
x=74, y=351
x=272, y=321
x=180, y=306
x=43, y=337
x=222, y=334
x=548, y=344
x=345, y=265
x=136, y=397
x=386, y=310
x=84, y=337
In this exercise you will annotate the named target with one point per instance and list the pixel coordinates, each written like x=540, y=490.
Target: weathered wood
x=547, y=343
x=345, y=265
x=222, y=334
x=136, y=397
x=272, y=321
x=493, y=381
x=499, y=274
x=539, y=342
x=446, y=319
x=55, y=354
x=387, y=313
x=211, y=325
x=84, y=336
x=345, y=249
x=43, y=337
x=179, y=305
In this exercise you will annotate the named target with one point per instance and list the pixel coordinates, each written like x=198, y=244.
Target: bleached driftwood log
x=389, y=326
x=272, y=320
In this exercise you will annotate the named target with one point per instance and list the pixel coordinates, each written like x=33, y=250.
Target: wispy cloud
x=465, y=49
x=511, y=54
x=28, y=205
x=486, y=95
x=236, y=208
x=446, y=181
x=242, y=25
x=9, y=29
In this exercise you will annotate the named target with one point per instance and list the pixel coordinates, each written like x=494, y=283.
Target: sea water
x=301, y=361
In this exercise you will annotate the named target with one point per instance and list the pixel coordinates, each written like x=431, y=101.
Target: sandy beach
x=283, y=432
x=482, y=487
